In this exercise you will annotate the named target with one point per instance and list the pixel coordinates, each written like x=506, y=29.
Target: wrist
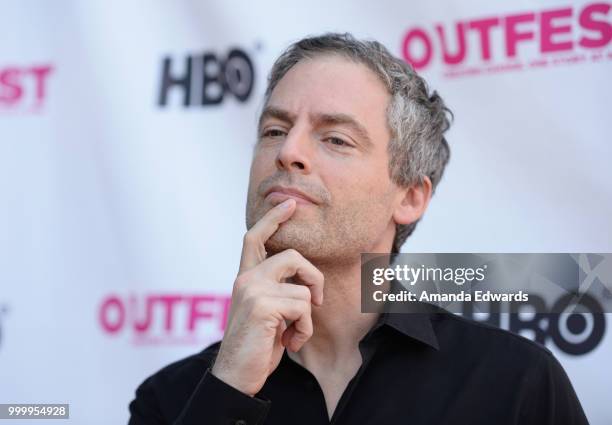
x=222, y=374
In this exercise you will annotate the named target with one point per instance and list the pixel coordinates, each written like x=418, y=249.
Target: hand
x=263, y=302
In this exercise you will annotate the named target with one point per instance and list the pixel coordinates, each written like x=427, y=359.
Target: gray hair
x=416, y=119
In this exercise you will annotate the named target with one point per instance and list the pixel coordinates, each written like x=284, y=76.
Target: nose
x=295, y=153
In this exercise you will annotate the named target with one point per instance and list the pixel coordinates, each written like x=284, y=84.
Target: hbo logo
x=207, y=79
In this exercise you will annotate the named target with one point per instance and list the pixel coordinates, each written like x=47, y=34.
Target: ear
x=412, y=202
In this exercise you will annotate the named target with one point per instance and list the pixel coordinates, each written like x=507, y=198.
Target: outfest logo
x=24, y=88
x=164, y=318
x=512, y=42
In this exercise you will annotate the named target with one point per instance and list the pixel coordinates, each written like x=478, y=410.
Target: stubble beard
x=335, y=236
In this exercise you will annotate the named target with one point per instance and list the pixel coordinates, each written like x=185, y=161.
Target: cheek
x=359, y=174
x=352, y=188
x=361, y=194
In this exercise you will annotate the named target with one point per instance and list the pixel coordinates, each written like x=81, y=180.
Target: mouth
x=278, y=194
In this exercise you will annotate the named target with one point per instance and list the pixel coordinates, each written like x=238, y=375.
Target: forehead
x=330, y=84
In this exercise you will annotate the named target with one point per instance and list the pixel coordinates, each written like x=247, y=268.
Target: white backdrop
x=121, y=218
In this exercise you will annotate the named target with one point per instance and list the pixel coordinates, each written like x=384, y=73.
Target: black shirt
x=425, y=368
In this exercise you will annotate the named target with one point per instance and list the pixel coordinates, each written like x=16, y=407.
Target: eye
x=273, y=132
x=336, y=141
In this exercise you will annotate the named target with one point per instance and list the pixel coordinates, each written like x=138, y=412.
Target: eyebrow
x=345, y=120
x=319, y=120
x=279, y=114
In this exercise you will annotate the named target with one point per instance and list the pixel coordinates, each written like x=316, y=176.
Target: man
x=350, y=149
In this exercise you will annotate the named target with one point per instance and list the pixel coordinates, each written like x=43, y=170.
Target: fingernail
x=285, y=204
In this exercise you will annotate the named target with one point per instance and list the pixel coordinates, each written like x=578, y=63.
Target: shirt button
x=240, y=422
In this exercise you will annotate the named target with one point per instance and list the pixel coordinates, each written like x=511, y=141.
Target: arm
x=212, y=402
x=254, y=341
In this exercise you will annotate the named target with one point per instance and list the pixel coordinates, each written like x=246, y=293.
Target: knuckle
x=304, y=292
x=308, y=333
x=293, y=254
x=304, y=306
x=303, y=336
x=258, y=305
x=321, y=275
x=252, y=291
x=249, y=238
x=247, y=292
x=242, y=280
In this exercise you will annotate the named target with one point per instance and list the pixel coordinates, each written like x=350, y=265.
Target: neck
x=338, y=324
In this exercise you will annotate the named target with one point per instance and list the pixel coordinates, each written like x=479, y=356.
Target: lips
x=278, y=194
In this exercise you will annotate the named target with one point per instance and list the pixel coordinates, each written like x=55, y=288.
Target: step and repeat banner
x=126, y=132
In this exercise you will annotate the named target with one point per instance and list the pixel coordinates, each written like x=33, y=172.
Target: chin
x=291, y=236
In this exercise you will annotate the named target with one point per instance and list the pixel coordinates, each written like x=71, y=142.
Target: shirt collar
x=414, y=325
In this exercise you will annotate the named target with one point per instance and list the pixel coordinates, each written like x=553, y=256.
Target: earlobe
x=413, y=201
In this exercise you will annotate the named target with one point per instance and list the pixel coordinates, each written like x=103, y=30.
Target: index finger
x=253, y=249
x=293, y=265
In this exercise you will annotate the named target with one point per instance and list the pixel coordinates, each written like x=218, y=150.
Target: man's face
x=324, y=133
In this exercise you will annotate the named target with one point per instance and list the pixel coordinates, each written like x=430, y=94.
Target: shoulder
x=459, y=333
x=516, y=367
x=485, y=350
